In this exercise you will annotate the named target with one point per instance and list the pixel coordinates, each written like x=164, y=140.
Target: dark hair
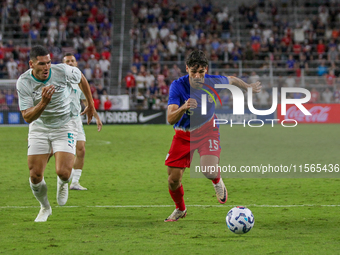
x=196, y=59
x=68, y=55
x=37, y=51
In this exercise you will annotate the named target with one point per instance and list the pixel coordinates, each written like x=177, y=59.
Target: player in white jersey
x=44, y=102
x=78, y=95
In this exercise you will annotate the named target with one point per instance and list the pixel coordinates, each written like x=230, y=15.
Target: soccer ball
x=240, y=220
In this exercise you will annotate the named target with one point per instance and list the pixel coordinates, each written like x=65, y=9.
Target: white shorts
x=42, y=139
x=81, y=133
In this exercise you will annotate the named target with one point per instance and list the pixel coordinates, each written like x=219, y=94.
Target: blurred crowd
x=79, y=27
x=166, y=30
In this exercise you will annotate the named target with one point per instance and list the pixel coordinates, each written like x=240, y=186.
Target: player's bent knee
x=64, y=172
x=36, y=177
x=80, y=152
x=174, y=183
x=64, y=175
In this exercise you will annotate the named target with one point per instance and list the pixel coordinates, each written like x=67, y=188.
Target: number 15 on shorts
x=213, y=145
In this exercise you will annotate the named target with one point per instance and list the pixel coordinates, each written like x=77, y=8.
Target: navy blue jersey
x=181, y=91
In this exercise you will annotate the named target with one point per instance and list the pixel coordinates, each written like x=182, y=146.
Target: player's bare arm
x=33, y=113
x=243, y=85
x=175, y=112
x=85, y=87
x=96, y=116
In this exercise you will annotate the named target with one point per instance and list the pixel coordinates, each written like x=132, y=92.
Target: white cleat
x=221, y=191
x=77, y=186
x=43, y=214
x=176, y=215
x=62, y=192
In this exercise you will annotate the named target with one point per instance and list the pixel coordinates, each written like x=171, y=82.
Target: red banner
x=321, y=113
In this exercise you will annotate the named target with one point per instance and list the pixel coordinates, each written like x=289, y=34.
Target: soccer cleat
x=176, y=215
x=62, y=192
x=77, y=186
x=43, y=214
x=221, y=191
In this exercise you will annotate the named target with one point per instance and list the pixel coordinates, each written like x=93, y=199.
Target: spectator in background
x=290, y=81
x=315, y=96
x=253, y=77
x=130, y=83
x=92, y=61
x=163, y=89
x=322, y=68
x=34, y=34
x=332, y=54
x=134, y=71
x=193, y=39
x=175, y=72
x=263, y=98
x=107, y=104
x=104, y=66
x=22, y=67
x=173, y=49
x=53, y=33
x=153, y=31
x=98, y=74
x=336, y=95
x=327, y=96
x=93, y=88
x=151, y=101
x=256, y=46
x=140, y=82
x=2, y=68
x=16, y=53
x=225, y=98
x=330, y=78
x=321, y=47
x=155, y=58
x=9, y=98
x=3, y=104
x=152, y=90
x=81, y=63
x=101, y=90
x=88, y=72
x=96, y=101
x=25, y=21
x=12, y=68
x=290, y=64
x=140, y=100
x=149, y=79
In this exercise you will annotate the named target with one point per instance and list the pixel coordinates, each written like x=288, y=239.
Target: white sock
x=76, y=175
x=40, y=192
x=60, y=181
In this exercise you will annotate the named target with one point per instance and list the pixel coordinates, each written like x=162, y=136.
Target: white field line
x=157, y=206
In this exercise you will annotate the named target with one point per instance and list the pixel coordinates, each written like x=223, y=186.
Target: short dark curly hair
x=196, y=59
x=37, y=51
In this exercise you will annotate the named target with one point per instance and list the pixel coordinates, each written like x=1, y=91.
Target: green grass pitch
x=127, y=199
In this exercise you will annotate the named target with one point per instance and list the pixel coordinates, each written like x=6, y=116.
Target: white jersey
x=75, y=97
x=58, y=112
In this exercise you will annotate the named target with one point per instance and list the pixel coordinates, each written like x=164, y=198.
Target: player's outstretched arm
x=243, y=85
x=33, y=113
x=98, y=121
x=175, y=112
x=85, y=87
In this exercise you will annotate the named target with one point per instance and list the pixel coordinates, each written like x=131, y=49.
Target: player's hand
x=190, y=104
x=47, y=93
x=256, y=87
x=89, y=111
x=99, y=124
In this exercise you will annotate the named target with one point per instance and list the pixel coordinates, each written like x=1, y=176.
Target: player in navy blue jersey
x=195, y=130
